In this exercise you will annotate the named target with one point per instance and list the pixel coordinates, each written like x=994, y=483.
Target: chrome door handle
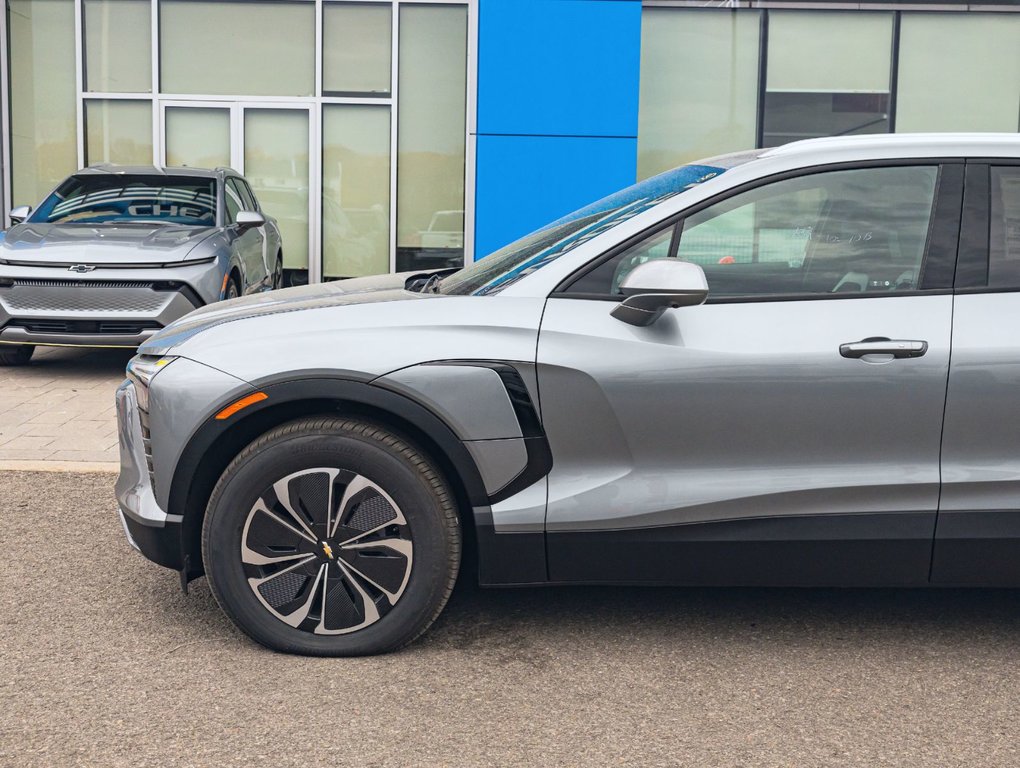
x=883, y=346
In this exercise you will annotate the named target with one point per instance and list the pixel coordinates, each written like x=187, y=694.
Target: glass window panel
x=44, y=144
x=828, y=74
x=276, y=164
x=959, y=72
x=858, y=231
x=356, y=49
x=197, y=137
x=699, y=86
x=355, y=190
x=1004, y=234
x=431, y=136
x=837, y=52
x=118, y=131
x=264, y=48
x=233, y=201
x=118, y=46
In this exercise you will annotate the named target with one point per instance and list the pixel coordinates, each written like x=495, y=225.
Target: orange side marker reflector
x=223, y=288
x=244, y=402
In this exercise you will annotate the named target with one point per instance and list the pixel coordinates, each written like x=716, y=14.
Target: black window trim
x=972, y=272
x=942, y=240
x=240, y=198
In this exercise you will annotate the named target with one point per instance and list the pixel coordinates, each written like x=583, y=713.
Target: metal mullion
x=5, y=117
x=237, y=97
x=471, y=130
x=315, y=157
x=106, y=96
x=763, y=64
x=367, y=101
x=394, y=115
x=894, y=71
x=79, y=66
x=158, y=129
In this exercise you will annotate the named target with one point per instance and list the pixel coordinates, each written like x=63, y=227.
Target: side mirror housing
x=655, y=286
x=249, y=219
x=20, y=213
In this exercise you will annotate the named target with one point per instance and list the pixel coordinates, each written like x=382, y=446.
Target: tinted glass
x=1004, y=233
x=233, y=200
x=132, y=198
x=859, y=231
x=118, y=46
x=254, y=47
x=118, y=131
x=522, y=257
x=356, y=49
x=699, y=85
x=828, y=74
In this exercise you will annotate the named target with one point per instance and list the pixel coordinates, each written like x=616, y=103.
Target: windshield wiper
x=432, y=284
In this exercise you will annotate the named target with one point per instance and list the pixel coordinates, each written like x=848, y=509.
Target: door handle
x=879, y=345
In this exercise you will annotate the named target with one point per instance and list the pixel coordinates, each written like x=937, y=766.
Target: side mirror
x=20, y=213
x=655, y=286
x=249, y=219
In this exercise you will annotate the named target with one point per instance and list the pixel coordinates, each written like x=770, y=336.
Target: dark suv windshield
x=123, y=198
x=519, y=259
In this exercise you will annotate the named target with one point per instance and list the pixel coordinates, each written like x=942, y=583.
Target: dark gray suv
x=116, y=253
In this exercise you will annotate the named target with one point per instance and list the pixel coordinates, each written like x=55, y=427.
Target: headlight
x=141, y=369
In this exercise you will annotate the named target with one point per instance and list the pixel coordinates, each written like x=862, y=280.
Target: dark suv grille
x=112, y=327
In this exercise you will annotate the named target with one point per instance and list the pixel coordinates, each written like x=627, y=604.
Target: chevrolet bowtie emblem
x=328, y=550
x=81, y=268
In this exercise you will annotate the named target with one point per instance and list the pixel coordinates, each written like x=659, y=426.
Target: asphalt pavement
x=104, y=662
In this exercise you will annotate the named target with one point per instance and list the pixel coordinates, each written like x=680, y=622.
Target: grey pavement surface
x=105, y=663
x=60, y=407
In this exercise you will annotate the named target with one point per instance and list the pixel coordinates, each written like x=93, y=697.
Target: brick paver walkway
x=60, y=408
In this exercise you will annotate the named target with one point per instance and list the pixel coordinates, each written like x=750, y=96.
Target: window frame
x=938, y=261
x=973, y=267
x=231, y=220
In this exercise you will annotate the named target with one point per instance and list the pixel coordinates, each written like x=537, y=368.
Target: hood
x=358, y=290
x=106, y=245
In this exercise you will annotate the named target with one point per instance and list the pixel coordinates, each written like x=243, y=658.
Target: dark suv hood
x=107, y=245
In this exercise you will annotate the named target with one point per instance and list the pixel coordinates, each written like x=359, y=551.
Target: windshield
x=128, y=198
x=532, y=252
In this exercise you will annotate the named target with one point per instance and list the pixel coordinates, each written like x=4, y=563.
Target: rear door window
x=1004, y=229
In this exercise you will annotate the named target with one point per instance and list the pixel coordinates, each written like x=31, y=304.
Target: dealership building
x=397, y=134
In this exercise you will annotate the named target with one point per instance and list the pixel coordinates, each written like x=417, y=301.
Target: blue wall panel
x=531, y=180
x=559, y=67
x=557, y=110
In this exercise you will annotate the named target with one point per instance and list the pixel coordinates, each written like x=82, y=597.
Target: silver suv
x=794, y=366
x=114, y=254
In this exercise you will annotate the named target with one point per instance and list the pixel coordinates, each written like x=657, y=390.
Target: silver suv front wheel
x=331, y=536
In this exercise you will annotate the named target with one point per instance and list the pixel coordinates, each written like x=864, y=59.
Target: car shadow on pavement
x=530, y=624
x=80, y=361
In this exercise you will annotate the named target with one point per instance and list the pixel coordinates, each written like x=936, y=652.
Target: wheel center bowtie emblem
x=328, y=550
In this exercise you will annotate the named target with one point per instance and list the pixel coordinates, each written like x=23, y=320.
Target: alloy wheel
x=326, y=551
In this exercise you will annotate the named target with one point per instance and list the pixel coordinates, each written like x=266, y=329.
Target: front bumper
x=149, y=529
x=106, y=309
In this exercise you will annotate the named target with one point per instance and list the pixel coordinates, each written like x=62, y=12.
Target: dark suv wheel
x=331, y=537
x=15, y=354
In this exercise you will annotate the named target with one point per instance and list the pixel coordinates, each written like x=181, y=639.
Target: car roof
x=904, y=144
x=156, y=170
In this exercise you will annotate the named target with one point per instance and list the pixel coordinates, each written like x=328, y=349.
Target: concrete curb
x=80, y=467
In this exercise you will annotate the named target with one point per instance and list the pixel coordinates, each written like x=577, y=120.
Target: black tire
x=278, y=274
x=15, y=354
x=233, y=289
x=250, y=539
